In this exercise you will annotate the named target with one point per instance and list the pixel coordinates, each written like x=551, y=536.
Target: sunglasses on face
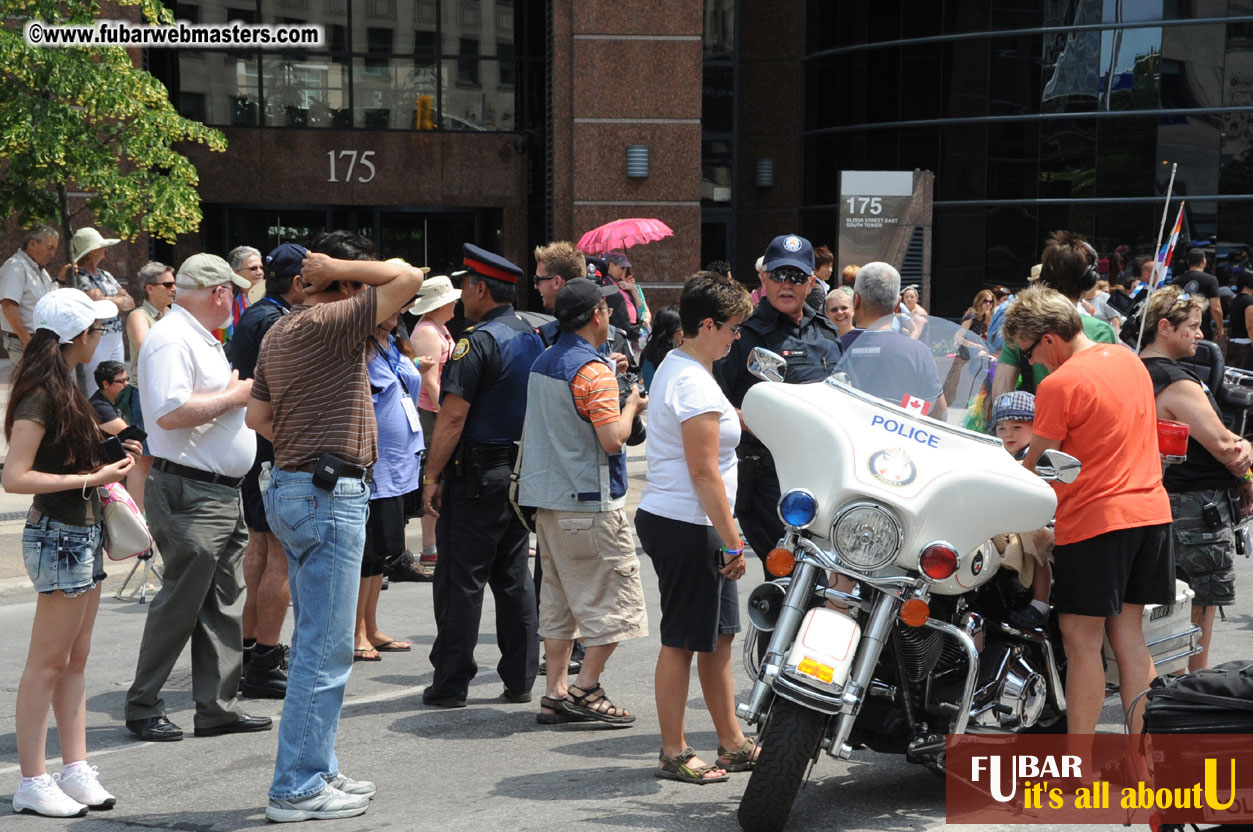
x=96, y=329
x=794, y=276
x=536, y=280
x=169, y=285
x=1029, y=351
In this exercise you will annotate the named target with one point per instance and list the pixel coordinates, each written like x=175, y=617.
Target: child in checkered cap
x=1013, y=415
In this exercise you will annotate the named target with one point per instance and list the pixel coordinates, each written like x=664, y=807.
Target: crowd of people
x=285, y=439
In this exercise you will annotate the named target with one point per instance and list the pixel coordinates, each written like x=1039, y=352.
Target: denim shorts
x=63, y=557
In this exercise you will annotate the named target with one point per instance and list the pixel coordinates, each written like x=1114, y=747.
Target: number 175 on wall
x=354, y=158
x=862, y=205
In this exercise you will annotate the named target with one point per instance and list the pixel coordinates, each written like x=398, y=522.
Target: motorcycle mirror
x=1056, y=466
x=766, y=365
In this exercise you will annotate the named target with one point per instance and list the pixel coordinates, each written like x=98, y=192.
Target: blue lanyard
x=281, y=308
x=395, y=366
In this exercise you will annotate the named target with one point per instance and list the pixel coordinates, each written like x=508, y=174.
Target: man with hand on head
x=311, y=399
x=784, y=324
x=194, y=406
x=469, y=464
x=265, y=565
x=574, y=473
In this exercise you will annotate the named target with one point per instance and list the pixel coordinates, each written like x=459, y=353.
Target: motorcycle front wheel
x=789, y=741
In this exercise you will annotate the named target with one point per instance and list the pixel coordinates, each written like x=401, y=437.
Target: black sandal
x=595, y=704
x=560, y=713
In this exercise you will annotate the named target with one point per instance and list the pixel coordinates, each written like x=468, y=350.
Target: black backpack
x=1216, y=700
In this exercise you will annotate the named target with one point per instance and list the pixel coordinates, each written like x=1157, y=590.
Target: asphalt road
x=489, y=766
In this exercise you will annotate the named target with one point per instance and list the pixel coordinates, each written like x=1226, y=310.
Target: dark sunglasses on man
x=794, y=276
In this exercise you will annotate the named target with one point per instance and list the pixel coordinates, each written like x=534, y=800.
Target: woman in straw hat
x=435, y=306
x=87, y=250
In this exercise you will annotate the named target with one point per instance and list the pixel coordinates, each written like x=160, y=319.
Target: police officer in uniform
x=469, y=463
x=785, y=324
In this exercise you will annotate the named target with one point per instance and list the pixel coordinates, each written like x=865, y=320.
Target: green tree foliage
x=86, y=120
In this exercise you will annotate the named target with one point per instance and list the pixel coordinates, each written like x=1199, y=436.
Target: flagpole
x=1144, y=310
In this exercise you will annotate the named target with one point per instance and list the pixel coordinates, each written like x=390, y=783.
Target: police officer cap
x=790, y=250
x=578, y=296
x=486, y=264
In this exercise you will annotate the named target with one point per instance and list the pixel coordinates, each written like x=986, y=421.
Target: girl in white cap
x=56, y=455
x=87, y=249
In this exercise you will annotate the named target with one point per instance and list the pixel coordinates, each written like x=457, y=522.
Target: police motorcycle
x=891, y=626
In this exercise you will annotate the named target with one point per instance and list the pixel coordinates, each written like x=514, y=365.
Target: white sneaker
x=328, y=804
x=347, y=785
x=44, y=797
x=84, y=786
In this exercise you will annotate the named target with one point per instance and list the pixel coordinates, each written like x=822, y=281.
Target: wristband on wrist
x=733, y=552
x=428, y=481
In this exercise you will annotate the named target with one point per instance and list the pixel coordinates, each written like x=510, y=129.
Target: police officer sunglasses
x=794, y=276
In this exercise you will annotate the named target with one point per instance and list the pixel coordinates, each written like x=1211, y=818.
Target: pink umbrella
x=622, y=234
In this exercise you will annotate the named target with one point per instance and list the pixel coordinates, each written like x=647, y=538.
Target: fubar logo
x=1025, y=767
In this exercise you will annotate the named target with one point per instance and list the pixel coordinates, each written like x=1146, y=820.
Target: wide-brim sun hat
x=436, y=291
x=68, y=312
x=87, y=240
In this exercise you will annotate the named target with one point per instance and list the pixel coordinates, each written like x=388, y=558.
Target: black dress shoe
x=517, y=697
x=154, y=729
x=244, y=725
x=443, y=701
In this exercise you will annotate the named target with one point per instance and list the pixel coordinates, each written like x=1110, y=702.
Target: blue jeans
x=323, y=534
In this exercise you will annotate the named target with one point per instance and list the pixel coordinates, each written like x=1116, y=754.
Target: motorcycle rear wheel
x=789, y=741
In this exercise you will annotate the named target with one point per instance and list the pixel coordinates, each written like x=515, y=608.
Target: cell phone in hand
x=113, y=450
x=133, y=432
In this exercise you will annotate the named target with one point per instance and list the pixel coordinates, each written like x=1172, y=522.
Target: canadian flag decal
x=919, y=406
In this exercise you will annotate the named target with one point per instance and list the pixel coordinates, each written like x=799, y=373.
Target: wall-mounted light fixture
x=637, y=161
x=763, y=173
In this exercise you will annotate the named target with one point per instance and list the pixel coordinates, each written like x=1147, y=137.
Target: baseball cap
x=285, y=260
x=1017, y=406
x=204, y=271
x=578, y=296
x=790, y=250
x=618, y=259
x=68, y=312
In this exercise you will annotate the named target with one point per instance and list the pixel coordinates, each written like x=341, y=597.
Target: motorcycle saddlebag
x=1217, y=700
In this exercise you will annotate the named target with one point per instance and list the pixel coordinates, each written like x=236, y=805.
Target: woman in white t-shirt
x=686, y=527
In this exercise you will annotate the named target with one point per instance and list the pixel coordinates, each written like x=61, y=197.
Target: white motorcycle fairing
x=942, y=483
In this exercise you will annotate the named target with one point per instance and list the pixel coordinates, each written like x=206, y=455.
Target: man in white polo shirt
x=23, y=281
x=194, y=409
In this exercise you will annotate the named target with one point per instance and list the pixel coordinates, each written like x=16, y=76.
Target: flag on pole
x=1168, y=251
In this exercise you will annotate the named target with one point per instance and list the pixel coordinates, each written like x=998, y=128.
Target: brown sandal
x=595, y=703
x=743, y=758
x=677, y=768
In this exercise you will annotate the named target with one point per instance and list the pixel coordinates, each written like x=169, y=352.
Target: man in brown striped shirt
x=311, y=397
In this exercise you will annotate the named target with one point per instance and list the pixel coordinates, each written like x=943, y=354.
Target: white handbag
x=126, y=533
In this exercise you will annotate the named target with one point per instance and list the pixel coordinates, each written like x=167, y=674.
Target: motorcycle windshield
x=930, y=367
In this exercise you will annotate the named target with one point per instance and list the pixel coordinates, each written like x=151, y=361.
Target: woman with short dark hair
x=686, y=527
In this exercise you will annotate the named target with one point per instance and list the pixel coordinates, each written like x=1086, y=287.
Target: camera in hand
x=113, y=450
x=625, y=382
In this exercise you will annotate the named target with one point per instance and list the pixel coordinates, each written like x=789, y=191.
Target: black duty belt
x=490, y=455
x=195, y=473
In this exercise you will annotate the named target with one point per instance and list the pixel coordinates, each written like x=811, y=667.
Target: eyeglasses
x=988, y=301
x=120, y=381
x=536, y=280
x=1029, y=351
x=735, y=328
x=169, y=285
x=96, y=329
x=794, y=276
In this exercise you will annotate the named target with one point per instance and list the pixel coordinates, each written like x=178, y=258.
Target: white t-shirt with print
x=681, y=389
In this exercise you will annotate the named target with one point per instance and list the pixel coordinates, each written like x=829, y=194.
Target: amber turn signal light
x=780, y=562
x=915, y=612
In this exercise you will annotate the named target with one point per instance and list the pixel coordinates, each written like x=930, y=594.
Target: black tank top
x=1241, y=303
x=1201, y=470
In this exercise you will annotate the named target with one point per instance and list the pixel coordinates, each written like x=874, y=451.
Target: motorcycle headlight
x=866, y=536
x=797, y=508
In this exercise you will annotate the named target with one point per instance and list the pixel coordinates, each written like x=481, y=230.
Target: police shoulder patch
x=463, y=347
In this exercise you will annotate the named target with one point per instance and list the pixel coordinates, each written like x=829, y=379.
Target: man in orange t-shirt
x=1114, y=551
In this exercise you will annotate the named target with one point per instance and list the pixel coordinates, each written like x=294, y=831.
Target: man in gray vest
x=574, y=473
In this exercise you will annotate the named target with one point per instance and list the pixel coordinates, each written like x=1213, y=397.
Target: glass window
x=1015, y=14
x=306, y=93
x=1130, y=67
x=963, y=162
x=849, y=74
x=920, y=20
x=718, y=99
x=386, y=92
x=966, y=16
x=1013, y=246
x=1013, y=160
x=919, y=148
x=1236, y=176
x=226, y=84
x=921, y=87
x=965, y=78
x=1067, y=158
x=850, y=25
x=715, y=172
x=1072, y=70
x=1134, y=226
x=883, y=20
x=959, y=242
x=883, y=103
x=1126, y=160
x=1014, y=83
x=719, y=31
x=467, y=62
x=489, y=105
x=821, y=25
x=1192, y=66
x=823, y=162
x=1193, y=142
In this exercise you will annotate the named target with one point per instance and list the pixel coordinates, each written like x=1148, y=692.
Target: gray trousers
x=199, y=529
